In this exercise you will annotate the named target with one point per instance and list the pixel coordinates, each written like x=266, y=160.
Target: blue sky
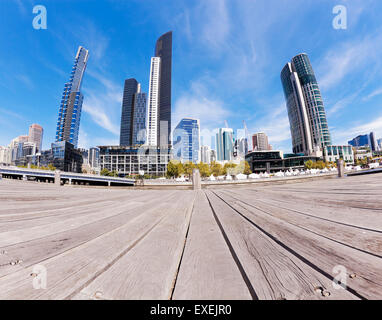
x=227, y=58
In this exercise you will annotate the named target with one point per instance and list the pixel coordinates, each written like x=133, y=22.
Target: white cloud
x=373, y=94
x=197, y=104
x=346, y=58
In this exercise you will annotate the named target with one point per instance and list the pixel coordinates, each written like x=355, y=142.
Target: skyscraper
x=224, y=144
x=306, y=112
x=139, y=118
x=153, y=103
x=163, y=50
x=260, y=142
x=205, y=154
x=69, y=116
x=373, y=142
x=186, y=140
x=35, y=135
x=127, y=116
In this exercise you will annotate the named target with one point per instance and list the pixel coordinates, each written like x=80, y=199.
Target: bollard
x=196, y=183
x=57, y=178
x=340, y=168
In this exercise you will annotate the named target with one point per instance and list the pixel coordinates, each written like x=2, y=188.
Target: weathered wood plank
x=207, y=265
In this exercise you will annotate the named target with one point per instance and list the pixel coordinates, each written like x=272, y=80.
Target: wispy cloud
x=348, y=58
x=373, y=94
x=198, y=104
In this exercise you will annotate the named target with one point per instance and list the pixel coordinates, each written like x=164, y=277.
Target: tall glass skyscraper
x=139, y=119
x=186, y=140
x=224, y=144
x=129, y=91
x=163, y=50
x=307, y=118
x=69, y=116
x=153, y=104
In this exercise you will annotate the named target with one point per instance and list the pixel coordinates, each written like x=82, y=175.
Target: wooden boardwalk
x=274, y=241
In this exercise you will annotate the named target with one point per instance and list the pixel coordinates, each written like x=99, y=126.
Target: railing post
x=57, y=177
x=340, y=168
x=196, y=183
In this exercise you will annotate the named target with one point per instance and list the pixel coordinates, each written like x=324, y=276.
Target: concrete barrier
x=57, y=177
x=196, y=181
x=341, y=168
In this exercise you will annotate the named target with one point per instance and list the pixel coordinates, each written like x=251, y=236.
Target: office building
x=360, y=141
x=205, y=154
x=133, y=161
x=275, y=161
x=69, y=116
x=224, y=144
x=127, y=116
x=380, y=144
x=65, y=157
x=260, y=142
x=93, y=158
x=373, y=142
x=306, y=112
x=35, y=135
x=186, y=140
x=163, y=50
x=139, y=122
x=153, y=103
x=334, y=153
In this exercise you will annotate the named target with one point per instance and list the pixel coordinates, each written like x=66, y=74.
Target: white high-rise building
x=205, y=152
x=153, y=103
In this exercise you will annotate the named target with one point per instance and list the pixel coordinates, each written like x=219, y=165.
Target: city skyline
x=196, y=93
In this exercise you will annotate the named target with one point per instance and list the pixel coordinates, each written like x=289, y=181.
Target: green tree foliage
x=188, y=167
x=174, y=169
x=247, y=168
x=216, y=169
x=229, y=168
x=309, y=164
x=204, y=169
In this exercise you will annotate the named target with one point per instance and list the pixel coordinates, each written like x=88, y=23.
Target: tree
x=188, y=168
x=228, y=168
x=320, y=164
x=105, y=172
x=216, y=169
x=247, y=168
x=309, y=164
x=174, y=169
x=204, y=169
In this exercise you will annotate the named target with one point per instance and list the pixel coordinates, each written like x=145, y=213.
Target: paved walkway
x=273, y=241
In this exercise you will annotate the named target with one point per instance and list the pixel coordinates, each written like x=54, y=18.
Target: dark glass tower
x=69, y=116
x=307, y=118
x=129, y=91
x=163, y=49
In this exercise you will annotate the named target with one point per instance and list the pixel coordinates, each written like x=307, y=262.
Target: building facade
x=163, y=50
x=260, y=142
x=134, y=161
x=275, y=161
x=334, y=153
x=306, y=112
x=205, y=154
x=186, y=140
x=35, y=135
x=139, y=123
x=224, y=144
x=69, y=116
x=127, y=117
x=360, y=141
x=93, y=158
x=153, y=103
